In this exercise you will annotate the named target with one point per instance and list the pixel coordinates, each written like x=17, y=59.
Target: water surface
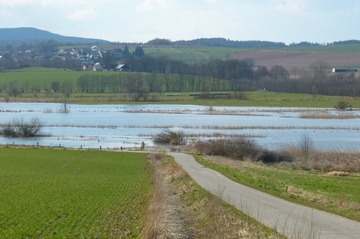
x=115, y=126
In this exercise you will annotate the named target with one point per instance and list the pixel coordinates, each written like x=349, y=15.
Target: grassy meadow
x=47, y=193
x=191, y=54
x=317, y=189
x=29, y=77
x=255, y=99
x=42, y=77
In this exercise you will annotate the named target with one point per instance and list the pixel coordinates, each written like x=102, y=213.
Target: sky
x=288, y=21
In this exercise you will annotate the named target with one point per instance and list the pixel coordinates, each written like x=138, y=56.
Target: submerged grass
x=328, y=115
x=205, y=127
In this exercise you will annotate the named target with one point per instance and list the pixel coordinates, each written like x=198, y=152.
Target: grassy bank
x=313, y=188
x=49, y=193
x=255, y=99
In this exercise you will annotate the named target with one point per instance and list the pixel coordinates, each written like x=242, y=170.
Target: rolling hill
x=29, y=34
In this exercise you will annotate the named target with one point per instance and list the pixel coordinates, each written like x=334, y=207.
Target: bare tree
x=66, y=89
x=294, y=71
x=319, y=69
x=13, y=89
x=306, y=145
x=20, y=128
x=279, y=72
x=134, y=86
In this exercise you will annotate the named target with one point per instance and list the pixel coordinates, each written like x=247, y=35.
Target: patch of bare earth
x=165, y=216
x=301, y=60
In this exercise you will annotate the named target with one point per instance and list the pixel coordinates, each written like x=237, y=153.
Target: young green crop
x=30, y=77
x=72, y=194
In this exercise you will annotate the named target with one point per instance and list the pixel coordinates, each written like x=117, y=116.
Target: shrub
x=342, y=105
x=170, y=137
x=273, y=157
x=20, y=128
x=233, y=148
x=239, y=95
x=240, y=149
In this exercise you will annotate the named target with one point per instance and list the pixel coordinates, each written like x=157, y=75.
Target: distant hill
x=29, y=34
x=222, y=42
x=255, y=44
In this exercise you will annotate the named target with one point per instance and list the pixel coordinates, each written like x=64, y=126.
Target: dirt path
x=293, y=220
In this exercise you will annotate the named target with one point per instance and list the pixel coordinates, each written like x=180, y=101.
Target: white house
x=95, y=48
x=98, y=67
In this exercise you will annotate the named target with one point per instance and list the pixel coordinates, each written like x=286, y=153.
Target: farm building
x=343, y=70
x=123, y=67
x=98, y=67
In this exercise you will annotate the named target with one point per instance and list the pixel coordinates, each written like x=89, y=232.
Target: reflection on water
x=115, y=126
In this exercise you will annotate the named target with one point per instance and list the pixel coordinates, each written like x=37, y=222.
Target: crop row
x=71, y=194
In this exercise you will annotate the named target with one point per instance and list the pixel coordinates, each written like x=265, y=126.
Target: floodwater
x=115, y=126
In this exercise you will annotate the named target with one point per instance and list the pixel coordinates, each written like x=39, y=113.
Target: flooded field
x=115, y=126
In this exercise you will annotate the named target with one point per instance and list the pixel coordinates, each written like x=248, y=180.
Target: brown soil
x=301, y=60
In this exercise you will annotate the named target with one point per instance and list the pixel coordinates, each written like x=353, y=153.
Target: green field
x=47, y=193
x=191, y=54
x=315, y=189
x=29, y=77
x=41, y=77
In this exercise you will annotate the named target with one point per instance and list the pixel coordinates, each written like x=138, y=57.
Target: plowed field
x=301, y=60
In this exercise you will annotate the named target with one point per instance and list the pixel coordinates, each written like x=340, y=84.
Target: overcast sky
x=288, y=21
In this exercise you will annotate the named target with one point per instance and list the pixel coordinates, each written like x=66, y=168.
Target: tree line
x=166, y=75
x=161, y=74
x=150, y=83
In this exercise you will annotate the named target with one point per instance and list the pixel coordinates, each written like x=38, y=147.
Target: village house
x=123, y=67
x=98, y=67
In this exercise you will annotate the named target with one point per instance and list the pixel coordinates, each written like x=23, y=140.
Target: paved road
x=290, y=219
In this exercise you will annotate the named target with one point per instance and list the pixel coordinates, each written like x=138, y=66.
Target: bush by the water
x=170, y=137
x=21, y=128
x=240, y=149
x=342, y=105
